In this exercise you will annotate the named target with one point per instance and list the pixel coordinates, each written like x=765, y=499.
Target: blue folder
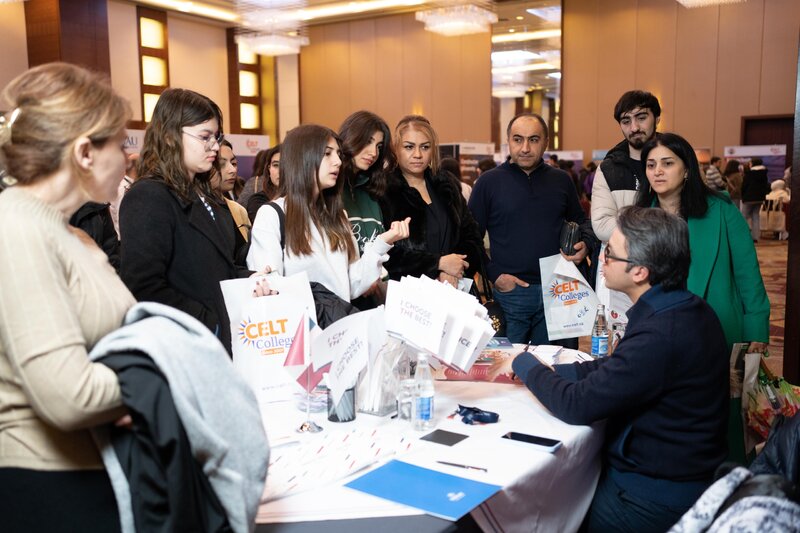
x=438, y=494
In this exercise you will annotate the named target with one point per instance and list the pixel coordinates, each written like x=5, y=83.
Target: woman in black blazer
x=444, y=242
x=178, y=241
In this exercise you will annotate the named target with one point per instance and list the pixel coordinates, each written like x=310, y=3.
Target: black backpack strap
x=281, y=222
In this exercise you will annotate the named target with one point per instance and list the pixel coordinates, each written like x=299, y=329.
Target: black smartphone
x=546, y=444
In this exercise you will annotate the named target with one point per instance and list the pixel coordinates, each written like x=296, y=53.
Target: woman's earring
x=685, y=176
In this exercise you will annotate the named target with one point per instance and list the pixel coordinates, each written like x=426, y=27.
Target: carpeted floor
x=772, y=256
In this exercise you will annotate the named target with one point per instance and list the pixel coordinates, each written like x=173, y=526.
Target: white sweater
x=331, y=269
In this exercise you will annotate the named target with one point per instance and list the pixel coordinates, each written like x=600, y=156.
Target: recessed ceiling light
x=526, y=36
x=512, y=30
x=520, y=17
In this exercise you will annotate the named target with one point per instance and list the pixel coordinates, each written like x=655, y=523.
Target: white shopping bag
x=617, y=303
x=263, y=331
x=569, y=301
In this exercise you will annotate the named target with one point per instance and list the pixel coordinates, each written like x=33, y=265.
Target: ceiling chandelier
x=457, y=19
x=706, y=3
x=272, y=44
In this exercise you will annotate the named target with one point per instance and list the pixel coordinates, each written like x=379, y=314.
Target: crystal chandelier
x=457, y=20
x=706, y=3
x=272, y=44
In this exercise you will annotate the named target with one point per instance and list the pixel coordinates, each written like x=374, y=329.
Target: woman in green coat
x=724, y=269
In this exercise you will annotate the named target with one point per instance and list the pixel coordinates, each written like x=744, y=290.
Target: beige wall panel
x=288, y=89
x=336, y=71
x=655, y=55
x=363, y=60
x=616, y=51
x=580, y=62
x=313, y=77
x=738, y=67
x=386, y=65
x=198, y=59
x=123, y=52
x=388, y=70
x=476, y=88
x=13, y=43
x=778, y=66
x=445, y=111
x=417, y=65
x=695, y=84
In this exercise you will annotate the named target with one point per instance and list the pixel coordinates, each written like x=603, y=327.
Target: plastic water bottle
x=423, y=394
x=600, y=333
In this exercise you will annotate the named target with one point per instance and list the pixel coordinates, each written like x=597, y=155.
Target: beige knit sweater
x=58, y=297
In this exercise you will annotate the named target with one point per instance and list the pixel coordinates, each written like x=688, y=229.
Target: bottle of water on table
x=423, y=394
x=600, y=333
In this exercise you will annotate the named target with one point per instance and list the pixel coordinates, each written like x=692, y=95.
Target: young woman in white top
x=318, y=239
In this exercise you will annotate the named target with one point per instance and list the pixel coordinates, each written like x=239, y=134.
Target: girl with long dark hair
x=316, y=233
x=178, y=241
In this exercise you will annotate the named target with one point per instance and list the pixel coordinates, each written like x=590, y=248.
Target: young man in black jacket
x=664, y=391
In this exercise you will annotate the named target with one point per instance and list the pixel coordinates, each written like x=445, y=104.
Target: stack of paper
x=450, y=324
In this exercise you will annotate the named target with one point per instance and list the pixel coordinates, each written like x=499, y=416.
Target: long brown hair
x=162, y=154
x=270, y=189
x=306, y=203
x=355, y=133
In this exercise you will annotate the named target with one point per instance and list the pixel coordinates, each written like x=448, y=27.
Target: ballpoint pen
x=467, y=467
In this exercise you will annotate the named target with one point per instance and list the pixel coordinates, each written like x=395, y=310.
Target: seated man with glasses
x=664, y=391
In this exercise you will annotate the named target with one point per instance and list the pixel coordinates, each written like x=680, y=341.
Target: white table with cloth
x=540, y=491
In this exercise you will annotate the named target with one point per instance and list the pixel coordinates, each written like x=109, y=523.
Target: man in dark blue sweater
x=522, y=204
x=664, y=391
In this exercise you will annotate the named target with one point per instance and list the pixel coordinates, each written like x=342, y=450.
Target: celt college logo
x=567, y=292
x=269, y=337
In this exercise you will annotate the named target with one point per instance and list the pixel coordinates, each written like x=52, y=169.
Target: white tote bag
x=569, y=302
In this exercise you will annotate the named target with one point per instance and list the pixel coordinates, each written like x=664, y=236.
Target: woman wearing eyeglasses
x=62, y=140
x=178, y=243
x=724, y=269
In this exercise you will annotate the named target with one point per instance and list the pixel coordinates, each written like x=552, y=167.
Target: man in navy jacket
x=523, y=204
x=663, y=392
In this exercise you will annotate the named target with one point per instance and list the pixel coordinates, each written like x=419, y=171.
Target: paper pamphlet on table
x=330, y=457
x=346, y=343
x=569, y=301
x=263, y=330
x=434, y=316
x=438, y=494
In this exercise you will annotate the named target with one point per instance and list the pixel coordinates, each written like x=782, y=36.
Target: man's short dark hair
x=553, y=157
x=659, y=241
x=756, y=161
x=486, y=164
x=542, y=121
x=715, y=159
x=633, y=99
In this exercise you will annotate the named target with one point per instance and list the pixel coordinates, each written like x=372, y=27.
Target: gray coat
x=218, y=409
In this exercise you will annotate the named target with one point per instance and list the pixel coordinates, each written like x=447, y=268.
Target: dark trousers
x=72, y=501
x=614, y=509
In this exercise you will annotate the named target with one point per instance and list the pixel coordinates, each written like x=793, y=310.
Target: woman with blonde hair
x=62, y=142
x=315, y=237
x=444, y=242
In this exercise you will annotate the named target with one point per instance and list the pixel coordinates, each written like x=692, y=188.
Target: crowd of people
x=353, y=209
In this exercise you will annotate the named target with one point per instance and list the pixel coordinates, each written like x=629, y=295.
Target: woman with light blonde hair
x=444, y=242
x=62, y=142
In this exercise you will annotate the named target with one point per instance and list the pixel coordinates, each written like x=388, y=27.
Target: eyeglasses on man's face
x=208, y=140
x=608, y=254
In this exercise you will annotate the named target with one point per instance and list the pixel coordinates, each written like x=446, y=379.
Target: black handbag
x=494, y=311
x=570, y=236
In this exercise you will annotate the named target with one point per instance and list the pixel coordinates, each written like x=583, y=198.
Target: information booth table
x=540, y=491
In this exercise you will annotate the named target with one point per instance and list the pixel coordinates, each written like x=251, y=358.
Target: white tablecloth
x=541, y=491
